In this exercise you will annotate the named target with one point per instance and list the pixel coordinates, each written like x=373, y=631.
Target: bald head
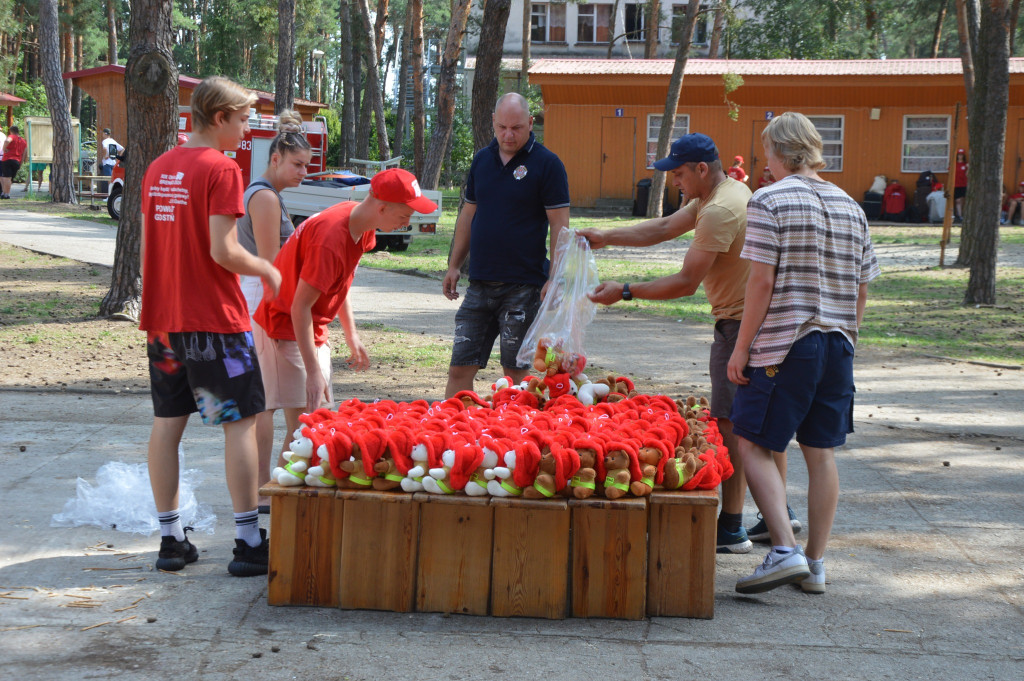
x=512, y=101
x=512, y=124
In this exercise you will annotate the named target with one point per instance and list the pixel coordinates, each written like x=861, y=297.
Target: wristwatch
x=626, y=295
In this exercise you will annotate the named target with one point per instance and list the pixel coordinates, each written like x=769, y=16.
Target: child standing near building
x=199, y=338
x=810, y=263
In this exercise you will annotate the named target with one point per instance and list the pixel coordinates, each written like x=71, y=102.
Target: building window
x=701, y=29
x=547, y=22
x=682, y=127
x=925, y=144
x=831, y=130
x=593, y=23
x=636, y=21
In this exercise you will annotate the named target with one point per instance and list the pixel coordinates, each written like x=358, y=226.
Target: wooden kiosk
x=555, y=558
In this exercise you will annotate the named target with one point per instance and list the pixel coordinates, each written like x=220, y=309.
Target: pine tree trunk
x=61, y=184
x=112, y=31
x=940, y=18
x=404, y=61
x=284, y=94
x=151, y=90
x=350, y=107
x=487, y=80
x=967, y=33
x=524, y=70
x=373, y=86
x=76, y=92
x=446, y=93
x=653, y=24
x=716, y=32
x=987, y=130
x=419, y=117
x=611, y=29
x=668, y=118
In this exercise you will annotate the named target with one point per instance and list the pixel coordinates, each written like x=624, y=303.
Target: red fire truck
x=314, y=195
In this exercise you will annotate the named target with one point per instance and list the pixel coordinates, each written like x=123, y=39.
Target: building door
x=1019, y=161
x=756, y=161
x=618, y=157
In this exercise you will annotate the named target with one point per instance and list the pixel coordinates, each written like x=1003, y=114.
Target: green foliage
x=732, y=82
x=333, y=137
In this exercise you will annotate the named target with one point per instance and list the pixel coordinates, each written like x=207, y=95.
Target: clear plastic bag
x=123, y=500
x=561, y=322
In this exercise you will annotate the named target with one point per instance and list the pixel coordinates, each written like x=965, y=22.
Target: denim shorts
x=490, y=309
x=722, y=389
x=216, y=374
x=810, y=395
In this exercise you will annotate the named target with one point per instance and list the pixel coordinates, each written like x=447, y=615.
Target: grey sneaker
x=815, y=582
x=776, y=570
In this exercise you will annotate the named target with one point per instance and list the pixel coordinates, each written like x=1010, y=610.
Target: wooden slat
x=378, y=551
x=531, y=551
x=455, y=546
x=305, y=547
x=681, y=568
x=609, y=558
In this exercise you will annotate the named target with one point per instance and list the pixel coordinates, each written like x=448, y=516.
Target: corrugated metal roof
x=758, y=67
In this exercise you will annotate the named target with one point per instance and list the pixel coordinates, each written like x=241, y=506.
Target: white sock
x=247, y=527
x=170, y=525
x=783, y=550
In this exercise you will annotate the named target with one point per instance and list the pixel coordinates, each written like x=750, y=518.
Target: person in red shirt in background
x=766, y=178
x=736, y=170
x=317, y=263
x=959, y=185
x=13, y=154
x=199, y=339
x=1015, y=203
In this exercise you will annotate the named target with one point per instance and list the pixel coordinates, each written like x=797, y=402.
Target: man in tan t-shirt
x=717, y=214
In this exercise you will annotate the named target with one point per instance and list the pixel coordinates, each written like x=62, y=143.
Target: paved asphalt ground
x=925, y=566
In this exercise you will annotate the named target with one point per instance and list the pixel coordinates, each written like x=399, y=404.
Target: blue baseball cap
x=692, y=148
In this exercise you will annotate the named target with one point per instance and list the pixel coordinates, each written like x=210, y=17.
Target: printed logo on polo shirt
x=519, y=173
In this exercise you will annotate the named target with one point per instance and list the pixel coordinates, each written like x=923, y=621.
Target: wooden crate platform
x=500, y=556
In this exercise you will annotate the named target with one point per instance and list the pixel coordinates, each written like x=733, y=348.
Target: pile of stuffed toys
x=521, y=442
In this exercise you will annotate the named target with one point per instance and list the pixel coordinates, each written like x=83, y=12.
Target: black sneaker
x=250, y=561
x=174, y=554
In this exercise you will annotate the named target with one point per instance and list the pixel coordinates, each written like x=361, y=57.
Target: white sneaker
x=815, y=582
x=776, y=570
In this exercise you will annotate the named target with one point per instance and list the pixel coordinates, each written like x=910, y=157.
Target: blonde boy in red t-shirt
x=201, y=355
x=317, y=265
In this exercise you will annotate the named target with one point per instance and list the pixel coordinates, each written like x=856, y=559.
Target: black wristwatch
x=626, y=295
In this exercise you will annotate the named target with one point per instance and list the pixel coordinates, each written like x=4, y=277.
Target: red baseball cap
x=938, y=186
x=395, y=185
x=182, y=138
x=739, y=159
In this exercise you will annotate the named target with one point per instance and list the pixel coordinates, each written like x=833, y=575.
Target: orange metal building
x=878, y=117
x=105, y=84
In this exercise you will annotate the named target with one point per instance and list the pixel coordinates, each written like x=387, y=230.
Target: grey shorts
x=490, y=309
x=722, y=389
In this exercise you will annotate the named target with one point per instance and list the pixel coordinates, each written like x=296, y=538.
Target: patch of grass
x=922, y=311
x=930, y=235
x=41, y=203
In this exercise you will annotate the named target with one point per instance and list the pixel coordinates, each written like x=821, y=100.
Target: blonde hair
x=290, y=136
x=794, y=139
x=218, y=94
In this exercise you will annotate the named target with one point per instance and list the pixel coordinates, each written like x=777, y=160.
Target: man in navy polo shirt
x=515, y=190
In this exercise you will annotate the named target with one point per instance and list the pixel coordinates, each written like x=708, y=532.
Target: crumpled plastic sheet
x=122, y=500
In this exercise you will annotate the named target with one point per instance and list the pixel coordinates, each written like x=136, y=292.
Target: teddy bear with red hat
x=619, y=461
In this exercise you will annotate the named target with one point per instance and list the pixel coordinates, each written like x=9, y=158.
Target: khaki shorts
x=284, y=374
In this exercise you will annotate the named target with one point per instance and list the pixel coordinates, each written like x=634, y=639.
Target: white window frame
x=940, y=159
x=681, y=128
x=546, y=14
x=589, y=9
x=834, y=161
x=704, y=18
x=640, y=30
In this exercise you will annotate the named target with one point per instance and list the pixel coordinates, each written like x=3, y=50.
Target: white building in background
x=573, y=29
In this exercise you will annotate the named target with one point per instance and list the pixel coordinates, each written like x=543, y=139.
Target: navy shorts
x=959, y=192
x=216, y=374
x=9, y=168
x=810, y=394
x=490, y=309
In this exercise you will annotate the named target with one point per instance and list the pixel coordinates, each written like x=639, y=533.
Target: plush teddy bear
x=508, y=481
x=652, y=457
x=592, y=393
x=617, y=469
x=681, y=468
x=590, y=450
x=299, y=455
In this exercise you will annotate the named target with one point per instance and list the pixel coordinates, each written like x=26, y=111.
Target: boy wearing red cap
x=317, y=265
x=736, y=171
x=936, y=203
